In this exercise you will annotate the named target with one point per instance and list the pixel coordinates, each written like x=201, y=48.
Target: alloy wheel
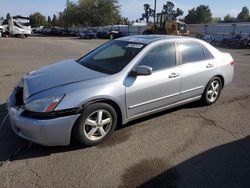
x=213, y=91
x=97, y=125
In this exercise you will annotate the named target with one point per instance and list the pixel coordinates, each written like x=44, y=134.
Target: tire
x=212, y=91
x=96, y=124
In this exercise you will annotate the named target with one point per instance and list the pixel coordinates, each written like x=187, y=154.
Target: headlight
x=47, y=104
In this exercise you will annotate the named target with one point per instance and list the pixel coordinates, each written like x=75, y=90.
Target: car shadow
x=196, y=104
x=227, y=165
x=16, y=148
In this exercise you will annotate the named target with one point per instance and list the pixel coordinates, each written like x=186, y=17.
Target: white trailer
x=17, y=26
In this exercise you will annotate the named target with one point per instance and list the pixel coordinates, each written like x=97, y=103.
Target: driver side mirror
x=143, y=70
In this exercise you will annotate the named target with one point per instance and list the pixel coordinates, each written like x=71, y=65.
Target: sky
x=129, y=8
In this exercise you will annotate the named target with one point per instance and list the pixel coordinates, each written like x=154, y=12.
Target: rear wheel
x=96, y=124
x=212, y=91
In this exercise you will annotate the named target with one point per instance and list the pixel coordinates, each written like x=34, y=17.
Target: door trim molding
x=154, y=100
x=166, y=107
x=165, y=97
x=193, y=89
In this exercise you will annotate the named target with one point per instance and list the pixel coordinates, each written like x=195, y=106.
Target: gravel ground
x=189, y=146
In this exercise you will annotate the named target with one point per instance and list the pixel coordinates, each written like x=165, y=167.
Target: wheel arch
x=100, y=100
x=221, y=78
x=107, y=101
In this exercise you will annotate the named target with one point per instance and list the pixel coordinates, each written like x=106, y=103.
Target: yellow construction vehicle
x=168, y=28
x=176, y=28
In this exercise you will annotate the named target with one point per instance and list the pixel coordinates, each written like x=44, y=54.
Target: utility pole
x=154, y=11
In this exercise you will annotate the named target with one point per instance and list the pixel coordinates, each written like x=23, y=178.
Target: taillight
x=233, y=63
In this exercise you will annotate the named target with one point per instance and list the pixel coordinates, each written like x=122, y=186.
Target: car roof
x=147, y=39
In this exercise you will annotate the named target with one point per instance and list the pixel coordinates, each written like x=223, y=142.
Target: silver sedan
x=120, y=81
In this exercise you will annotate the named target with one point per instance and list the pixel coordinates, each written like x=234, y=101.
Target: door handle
x=209, y=65
x=173, y=75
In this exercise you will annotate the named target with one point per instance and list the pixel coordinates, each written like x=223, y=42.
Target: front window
x=160, y=57
x=112, y=57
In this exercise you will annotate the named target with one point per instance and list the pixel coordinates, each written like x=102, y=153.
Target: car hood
x=58, y=74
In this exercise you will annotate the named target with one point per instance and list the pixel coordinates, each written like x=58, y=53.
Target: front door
x=149, y=93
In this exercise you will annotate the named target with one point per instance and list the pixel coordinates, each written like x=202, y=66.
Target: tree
x=125, y=21
x=48, y=23
x=8, y=16
x=201, y=14
x=177, y=13
x=216, y=20
x=168, y=9
x=204, y=14
x=191, y=16
x=229, y=19
x=68, y=4
x=107, y=12
x=149, y=12
x=167, y=14
x=37, y=19
x=244, y=16
x=49, y=20
x=54, y=20
x=70, y=15
x=90, y=13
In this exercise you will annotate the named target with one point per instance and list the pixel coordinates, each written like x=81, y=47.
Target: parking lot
x=189, y=146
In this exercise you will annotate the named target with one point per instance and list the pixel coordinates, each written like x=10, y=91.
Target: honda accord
x=124, y=79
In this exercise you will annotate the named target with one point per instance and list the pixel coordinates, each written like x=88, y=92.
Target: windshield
x=111, y=57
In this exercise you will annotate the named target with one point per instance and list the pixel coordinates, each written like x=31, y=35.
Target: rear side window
x=207, y=53
x=191, y=52
x=160, y=57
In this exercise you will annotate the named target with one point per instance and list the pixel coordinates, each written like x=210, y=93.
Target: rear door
x=198, y=67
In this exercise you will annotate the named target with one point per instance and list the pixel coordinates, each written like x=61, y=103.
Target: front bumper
x=50, y=132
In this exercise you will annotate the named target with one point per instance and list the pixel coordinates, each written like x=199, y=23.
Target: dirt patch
x=7, y=75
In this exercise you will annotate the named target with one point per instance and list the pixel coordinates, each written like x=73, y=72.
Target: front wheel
x=96, y=124
x=212, y=91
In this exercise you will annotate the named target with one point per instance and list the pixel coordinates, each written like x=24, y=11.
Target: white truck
x=17, y=27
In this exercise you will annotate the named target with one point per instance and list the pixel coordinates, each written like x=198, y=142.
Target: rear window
x=191, y=52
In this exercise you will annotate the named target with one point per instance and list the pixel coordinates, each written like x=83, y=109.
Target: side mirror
x=143, y=70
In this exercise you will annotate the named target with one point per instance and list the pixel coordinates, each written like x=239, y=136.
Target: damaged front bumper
x=48, y=132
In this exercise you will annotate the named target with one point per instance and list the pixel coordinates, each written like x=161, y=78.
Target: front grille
x=19, y=97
